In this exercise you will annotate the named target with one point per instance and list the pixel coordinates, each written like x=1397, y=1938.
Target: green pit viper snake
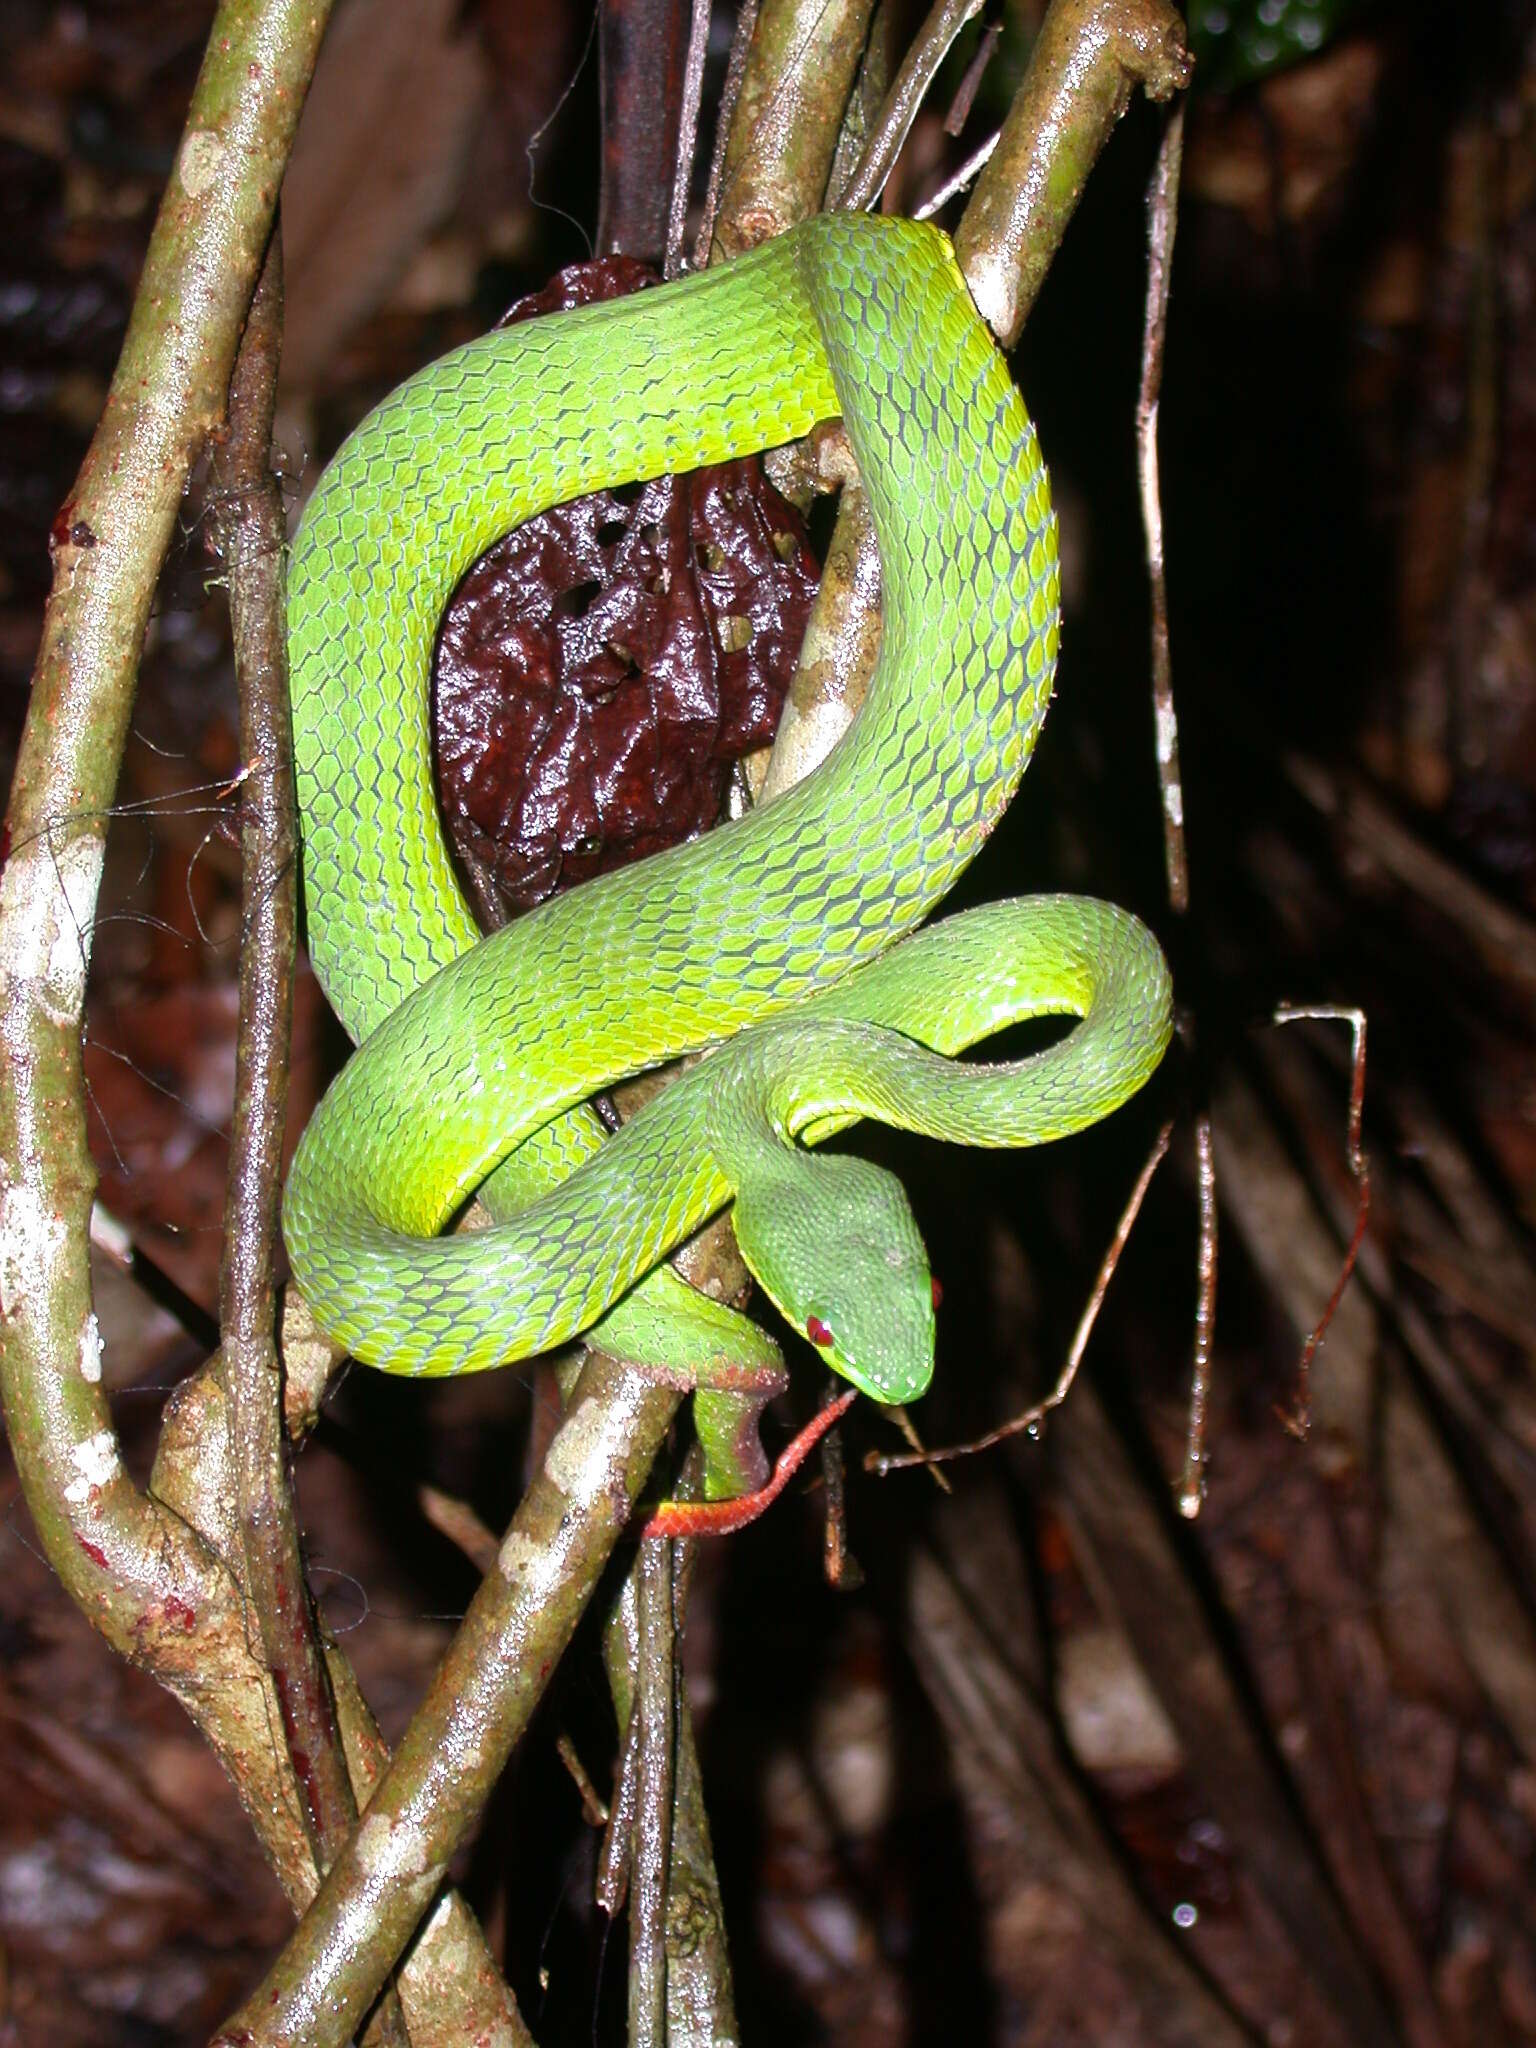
x=477, y=1054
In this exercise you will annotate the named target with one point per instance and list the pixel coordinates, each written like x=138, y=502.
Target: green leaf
x=1238, y=41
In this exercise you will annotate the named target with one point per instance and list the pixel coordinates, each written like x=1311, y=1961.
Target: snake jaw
x=889, y=1388
x=894, y=1362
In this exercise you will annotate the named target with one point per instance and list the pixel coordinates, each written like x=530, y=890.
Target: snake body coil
x=483, y=1066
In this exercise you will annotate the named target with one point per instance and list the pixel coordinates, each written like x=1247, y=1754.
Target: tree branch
x=480, y=1701
x=800, y=70
x=1087, y=60
x=919, y=68
x=136, y=1571
x=147, y=1568
x=249, y=534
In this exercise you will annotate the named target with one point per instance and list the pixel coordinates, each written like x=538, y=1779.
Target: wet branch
x=730, y=93
x=1088, y=59
x=248, y=533
x=147, y=1567
x=654, y=1713
x=248, y=530
x=641, y=55
x=1162, y=211
x=687, y=137
x=518, y=1625
x=919, y=68
x=118, y=1554
x=1162, y=224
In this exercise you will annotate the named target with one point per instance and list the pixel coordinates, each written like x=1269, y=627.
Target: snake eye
x=817, y=1330
x=938, y=1294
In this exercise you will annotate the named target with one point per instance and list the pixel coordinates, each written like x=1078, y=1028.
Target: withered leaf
x=601, y=668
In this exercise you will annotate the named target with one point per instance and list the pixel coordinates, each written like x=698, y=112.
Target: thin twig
x=1192, y=1483
x=862, y=110
x=701, y=2005
x=1162, y=222
x=457, y=1520
x=246, y=513
x=957, y=181
x=687, y=136
x=621, y=1654
x=741, y=42
x=654, y=1712
x=1162, y=216
x=593, y=1809
x=1299, y=1420
x=965, y=93
x=1031, y=1422
x=840, y=1566
x=930, y=47
x=248, y=525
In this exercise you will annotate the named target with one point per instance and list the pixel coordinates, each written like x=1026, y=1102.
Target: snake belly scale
x=480, y=1052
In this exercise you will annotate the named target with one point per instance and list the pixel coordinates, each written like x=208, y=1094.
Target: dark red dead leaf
x=602, y=667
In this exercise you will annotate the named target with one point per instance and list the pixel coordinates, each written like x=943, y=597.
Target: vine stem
x=518, y=1625
x=151, y=1568
x=135, y=1569
x=249, y=533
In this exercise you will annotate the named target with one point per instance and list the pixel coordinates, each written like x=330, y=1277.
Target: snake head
x=834, y=1246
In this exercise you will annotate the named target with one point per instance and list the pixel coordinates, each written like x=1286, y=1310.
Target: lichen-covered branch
x=800, y=70
x=517, y=1627
x=134, y=1569
x=150, y=1569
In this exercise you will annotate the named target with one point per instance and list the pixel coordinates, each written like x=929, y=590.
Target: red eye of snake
x=938, y=1294
x=817, y=1330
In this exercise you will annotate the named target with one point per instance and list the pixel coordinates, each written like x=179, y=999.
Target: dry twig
x=1031, y=1422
